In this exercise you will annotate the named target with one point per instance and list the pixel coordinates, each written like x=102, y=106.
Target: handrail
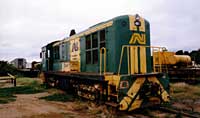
x=103, y=48
x=154, y=68
x=159, y=49
x=120, y=60
x=159, y=62
x=128, y=61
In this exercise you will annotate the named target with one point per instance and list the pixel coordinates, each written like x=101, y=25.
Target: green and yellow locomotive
x=111, y=62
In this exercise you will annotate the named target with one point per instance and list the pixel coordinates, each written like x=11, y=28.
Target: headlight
x=137, y=23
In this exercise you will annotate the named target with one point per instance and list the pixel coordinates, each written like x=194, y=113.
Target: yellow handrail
x=154, y=68
x=120, y=62
x=159, y=61
x=101, y=60
x=159, y=49
x=128, y=61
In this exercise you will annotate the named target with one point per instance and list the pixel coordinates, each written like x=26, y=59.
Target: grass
x=181, y=91
x=68, y=115
x=27, y=81
x=62, y=97
x=24, y=86
x=80, y=106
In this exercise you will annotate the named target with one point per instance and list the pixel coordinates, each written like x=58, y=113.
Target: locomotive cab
x=137, y=83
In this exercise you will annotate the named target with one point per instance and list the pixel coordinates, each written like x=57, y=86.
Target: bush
x=5, y=68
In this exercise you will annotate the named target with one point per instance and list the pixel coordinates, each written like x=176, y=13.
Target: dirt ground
x=30, y=106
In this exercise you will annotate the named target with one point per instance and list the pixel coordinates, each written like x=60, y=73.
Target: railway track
x=188, y=75
x=180, y=112
x=191, y=81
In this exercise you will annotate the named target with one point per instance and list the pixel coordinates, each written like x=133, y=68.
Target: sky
x=27, y=25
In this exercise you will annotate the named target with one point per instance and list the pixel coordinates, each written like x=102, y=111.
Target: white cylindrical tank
x=184, y=59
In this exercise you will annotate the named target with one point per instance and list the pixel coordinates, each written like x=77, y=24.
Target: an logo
x=139, y=38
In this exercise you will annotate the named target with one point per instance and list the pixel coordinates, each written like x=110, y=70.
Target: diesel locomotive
x=109, y=62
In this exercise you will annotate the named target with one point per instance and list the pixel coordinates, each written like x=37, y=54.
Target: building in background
x=19, y=63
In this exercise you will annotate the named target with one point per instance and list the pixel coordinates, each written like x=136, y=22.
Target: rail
x=178, y=111
x=154, y=49
x=101, y=53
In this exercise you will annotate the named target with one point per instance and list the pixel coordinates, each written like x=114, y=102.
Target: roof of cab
x=92, y=29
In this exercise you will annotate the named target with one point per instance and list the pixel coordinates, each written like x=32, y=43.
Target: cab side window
x=92, y=48
x=102, y=39
x=56, y=52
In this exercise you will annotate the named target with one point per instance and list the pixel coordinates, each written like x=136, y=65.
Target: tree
x=186, y=53
x=195, y=56
x=5, y=68
x=179, y=52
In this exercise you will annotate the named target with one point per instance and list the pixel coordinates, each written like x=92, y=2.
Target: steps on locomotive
x=113, y=93
x=112, y=98
x=112, y=104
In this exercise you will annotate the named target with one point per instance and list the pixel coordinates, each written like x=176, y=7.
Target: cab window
x=92, y=48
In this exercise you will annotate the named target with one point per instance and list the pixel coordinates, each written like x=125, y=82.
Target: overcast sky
x=27, y=25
